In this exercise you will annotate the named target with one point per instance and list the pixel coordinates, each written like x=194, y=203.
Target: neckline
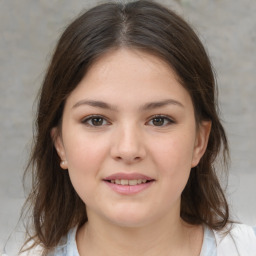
x=209, y=247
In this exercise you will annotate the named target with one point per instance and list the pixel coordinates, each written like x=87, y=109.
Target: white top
x=70, y=248
x=241, y=241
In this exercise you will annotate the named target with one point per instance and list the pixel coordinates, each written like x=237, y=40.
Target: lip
x=128, y=176
x=128, y=189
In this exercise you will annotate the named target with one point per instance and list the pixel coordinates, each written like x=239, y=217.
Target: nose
x=128, y=145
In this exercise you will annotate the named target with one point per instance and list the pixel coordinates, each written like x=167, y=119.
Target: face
x=129, y=139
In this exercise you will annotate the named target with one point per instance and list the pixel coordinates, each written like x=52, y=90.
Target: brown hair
x=142, y=25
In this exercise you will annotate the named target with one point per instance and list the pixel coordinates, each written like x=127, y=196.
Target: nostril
x=128, y=158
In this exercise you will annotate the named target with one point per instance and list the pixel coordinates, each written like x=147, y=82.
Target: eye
x=160, y=120
x=95, y=121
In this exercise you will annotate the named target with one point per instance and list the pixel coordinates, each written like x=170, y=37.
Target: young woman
x=127, y=136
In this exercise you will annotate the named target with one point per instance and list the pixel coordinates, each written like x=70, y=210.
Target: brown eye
x=97, y=121
x=160, y=121
x=94, y=121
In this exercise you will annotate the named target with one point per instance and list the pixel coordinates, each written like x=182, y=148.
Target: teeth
x=128, y=182
x=133, y=182
x=124, y=182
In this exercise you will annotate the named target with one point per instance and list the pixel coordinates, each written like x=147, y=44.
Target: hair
x=142, y=25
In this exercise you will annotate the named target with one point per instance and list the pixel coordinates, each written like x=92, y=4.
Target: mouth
x=126, y=182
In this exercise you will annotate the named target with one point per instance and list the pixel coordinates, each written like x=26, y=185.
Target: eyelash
x=167, y=120
x=90, y=118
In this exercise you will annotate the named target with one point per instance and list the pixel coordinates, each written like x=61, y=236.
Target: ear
x=58, y=144
x=201, y=142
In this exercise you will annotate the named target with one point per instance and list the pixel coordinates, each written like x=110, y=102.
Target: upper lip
x=128, y=176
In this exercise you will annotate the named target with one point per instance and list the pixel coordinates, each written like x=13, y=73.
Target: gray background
x=29, y=30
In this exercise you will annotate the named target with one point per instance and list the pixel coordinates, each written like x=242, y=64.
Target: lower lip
x=127, y=189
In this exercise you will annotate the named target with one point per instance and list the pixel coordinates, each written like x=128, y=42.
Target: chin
x=129, y=223
x=128, y=219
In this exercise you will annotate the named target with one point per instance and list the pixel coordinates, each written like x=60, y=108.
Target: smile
x=129, y=182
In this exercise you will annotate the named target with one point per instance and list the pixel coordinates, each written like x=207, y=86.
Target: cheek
x=174, y=153
x=85, y=156
x=173, y=159
x=84, y=150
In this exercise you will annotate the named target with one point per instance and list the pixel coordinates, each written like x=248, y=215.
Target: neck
x=165, y=237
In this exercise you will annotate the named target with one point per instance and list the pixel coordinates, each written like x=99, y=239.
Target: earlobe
x=201, y=142
x=58, y=144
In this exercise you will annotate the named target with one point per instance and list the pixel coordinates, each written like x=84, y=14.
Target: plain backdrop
x=29, y=30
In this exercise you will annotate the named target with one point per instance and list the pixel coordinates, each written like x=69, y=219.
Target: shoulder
x=67, y=245
x=240, y=240
x=37, y=251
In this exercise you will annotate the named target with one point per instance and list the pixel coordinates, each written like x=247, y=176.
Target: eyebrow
x=94, y=103
x=162, y=103
x=147, y=106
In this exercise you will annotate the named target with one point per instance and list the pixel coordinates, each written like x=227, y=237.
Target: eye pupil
x=158, y=121
x=97, y=121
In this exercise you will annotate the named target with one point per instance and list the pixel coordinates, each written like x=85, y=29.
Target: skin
x=128, y=139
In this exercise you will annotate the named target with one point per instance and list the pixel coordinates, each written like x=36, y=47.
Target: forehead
x=126, y=73
x=132, y=61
